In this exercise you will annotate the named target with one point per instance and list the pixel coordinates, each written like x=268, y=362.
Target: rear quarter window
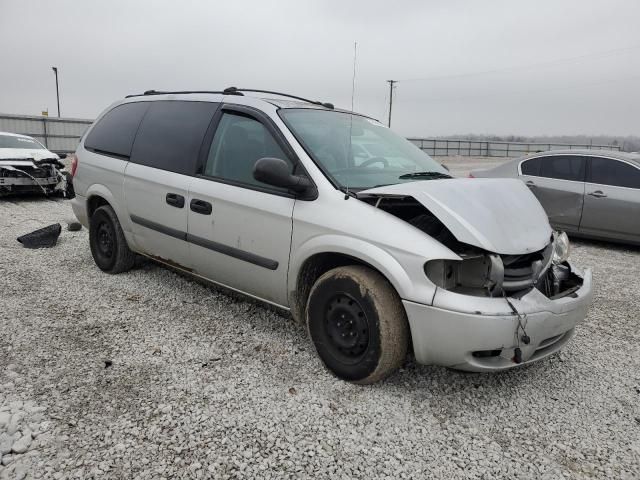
x=171, y=135
x=115, y=131
x=531, y=167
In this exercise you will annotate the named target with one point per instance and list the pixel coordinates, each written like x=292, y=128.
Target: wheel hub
x=347, y=326
x=105, y=239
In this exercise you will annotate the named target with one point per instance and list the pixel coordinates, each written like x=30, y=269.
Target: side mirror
x=62, y=156
x=277, y=172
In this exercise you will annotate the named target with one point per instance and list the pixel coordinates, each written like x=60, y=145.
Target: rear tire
x=358, y=324
x=108, y=245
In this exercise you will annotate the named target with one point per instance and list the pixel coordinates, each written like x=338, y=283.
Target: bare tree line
x=630, y=143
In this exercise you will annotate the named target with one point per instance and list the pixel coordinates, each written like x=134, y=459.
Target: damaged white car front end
x=26, y=166
x=507, y=295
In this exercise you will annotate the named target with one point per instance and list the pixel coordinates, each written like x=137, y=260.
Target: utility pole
x=391, y=87
x=55, y=70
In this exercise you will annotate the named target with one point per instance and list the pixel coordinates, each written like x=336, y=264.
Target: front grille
x=523, y=271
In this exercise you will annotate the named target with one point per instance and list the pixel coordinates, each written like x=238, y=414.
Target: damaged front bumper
x=482, y=334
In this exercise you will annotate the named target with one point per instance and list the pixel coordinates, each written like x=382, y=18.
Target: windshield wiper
x=348, y=193
x=425, y=175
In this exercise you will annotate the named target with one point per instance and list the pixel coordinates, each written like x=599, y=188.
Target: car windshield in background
x=9, y=141
x=358, y=152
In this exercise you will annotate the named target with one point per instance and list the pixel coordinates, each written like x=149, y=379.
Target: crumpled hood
x=497, y=214
x=36, y=154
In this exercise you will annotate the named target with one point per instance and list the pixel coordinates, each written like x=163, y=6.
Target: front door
x=612, y=200
x=239, y=228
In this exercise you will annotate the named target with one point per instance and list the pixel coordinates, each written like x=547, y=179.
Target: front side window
x=605, y=171
x=563, y=167
x=357, y=152
x=239, y=142
x=10, y=141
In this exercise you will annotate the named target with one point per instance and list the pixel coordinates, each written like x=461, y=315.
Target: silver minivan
x=330, y=215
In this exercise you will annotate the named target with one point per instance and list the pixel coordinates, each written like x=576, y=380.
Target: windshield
x=9, y=141
x=375, y=156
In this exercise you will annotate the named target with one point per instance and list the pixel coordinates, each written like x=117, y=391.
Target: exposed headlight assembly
x=561, y=247
x=479, y=275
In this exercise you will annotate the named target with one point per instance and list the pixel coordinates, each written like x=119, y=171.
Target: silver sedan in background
x=587, y=193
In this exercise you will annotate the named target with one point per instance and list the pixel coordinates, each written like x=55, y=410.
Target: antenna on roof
x=353, y=92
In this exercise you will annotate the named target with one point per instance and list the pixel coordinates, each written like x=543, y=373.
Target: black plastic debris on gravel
x=42, y=238
x=74, y=226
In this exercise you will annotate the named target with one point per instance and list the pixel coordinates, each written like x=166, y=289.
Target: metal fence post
x=44, y=132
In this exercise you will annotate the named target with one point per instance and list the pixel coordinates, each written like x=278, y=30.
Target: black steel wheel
x=106, y=241
x=108, y=244
x=347, y=328
x=357, y=323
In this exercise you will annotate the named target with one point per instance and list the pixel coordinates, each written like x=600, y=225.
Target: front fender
x=405, y=272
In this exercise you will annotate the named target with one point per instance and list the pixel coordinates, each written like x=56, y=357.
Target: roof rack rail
x=238, y=91
x=160, y=92
x=233, y=91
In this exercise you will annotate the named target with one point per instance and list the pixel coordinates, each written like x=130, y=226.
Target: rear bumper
x=485, y=339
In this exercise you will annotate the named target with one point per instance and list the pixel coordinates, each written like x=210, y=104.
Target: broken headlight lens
x=561, y=247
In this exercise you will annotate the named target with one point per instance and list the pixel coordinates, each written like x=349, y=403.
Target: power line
x=603, y=54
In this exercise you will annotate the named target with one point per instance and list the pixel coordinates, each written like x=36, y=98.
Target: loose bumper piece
x=42, y=238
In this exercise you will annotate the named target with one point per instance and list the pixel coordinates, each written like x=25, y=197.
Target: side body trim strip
x=209, y=244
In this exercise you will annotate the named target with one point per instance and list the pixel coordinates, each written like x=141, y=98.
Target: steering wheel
x=373, y=160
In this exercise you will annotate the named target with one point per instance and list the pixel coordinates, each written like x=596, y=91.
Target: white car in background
x=26, y=166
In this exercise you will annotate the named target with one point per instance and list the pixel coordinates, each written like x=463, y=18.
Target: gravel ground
x=150, y=375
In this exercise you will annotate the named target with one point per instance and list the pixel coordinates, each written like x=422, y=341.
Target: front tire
x=357, y=323
x=108, y=245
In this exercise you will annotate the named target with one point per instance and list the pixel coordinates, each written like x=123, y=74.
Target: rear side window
x=115, y=131
x=612, y=172
x=531, y=167
x=563, y=167
x=171, y=135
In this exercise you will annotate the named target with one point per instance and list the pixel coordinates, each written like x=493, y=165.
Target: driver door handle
x=530, y=183
x=597, y=194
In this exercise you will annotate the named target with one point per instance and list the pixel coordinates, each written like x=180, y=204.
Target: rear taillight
x=74, y=164
x=471, y=175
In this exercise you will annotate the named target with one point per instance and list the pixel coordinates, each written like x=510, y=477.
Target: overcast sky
x=503, y=67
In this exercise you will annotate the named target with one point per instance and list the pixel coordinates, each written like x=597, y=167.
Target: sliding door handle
x=200, y=206
x=175, y=200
